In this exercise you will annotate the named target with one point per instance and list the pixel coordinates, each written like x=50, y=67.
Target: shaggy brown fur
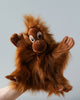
x=39, y=69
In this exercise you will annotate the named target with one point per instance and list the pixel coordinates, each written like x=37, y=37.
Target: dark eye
x=39, y=35
x=31, y=38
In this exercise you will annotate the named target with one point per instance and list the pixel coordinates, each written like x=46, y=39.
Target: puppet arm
x=61, y=53
x=8, y=93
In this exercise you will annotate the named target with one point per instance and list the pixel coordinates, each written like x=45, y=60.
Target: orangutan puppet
x=39, y=59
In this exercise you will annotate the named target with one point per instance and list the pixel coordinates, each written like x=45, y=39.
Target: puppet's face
x=38, y=43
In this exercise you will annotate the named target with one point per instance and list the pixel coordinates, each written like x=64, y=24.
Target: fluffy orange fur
x=39, y=71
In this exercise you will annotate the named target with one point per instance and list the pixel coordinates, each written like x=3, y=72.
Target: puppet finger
x=65, y=39
x=71, y=43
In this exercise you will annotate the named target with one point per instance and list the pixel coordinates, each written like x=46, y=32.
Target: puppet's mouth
x=39, y=46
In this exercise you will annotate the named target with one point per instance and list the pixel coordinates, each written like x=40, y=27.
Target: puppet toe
x=67, y=88
x=60, y=88
x=12, y=78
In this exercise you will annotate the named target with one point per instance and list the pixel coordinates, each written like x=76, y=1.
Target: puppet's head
x=39, y=45
x=37, y=34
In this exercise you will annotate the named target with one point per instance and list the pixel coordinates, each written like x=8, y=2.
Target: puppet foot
x=67, y=88
x=12, y=78
x=60, y=88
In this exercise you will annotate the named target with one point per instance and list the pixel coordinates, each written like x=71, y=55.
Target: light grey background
x=63, y=18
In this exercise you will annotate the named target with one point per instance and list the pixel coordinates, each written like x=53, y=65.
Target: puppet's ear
x=12, y=78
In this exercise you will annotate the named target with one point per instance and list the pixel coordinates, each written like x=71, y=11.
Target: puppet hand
x=15, y=38
x=67, y=43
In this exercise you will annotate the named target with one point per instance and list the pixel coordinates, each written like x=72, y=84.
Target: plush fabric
x=40, y=61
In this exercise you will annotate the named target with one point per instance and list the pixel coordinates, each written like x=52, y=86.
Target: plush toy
x=40, y=60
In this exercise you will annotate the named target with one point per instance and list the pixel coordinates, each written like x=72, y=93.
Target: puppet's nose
x=37, y=41
x=39, y=46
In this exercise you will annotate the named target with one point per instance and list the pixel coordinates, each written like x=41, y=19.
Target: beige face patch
x=31, y=38
x=39, y=35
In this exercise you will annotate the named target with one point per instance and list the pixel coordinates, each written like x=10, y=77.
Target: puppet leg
x=61, y=83
x=61, y=80
x=19, y=78
x=65, y=83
